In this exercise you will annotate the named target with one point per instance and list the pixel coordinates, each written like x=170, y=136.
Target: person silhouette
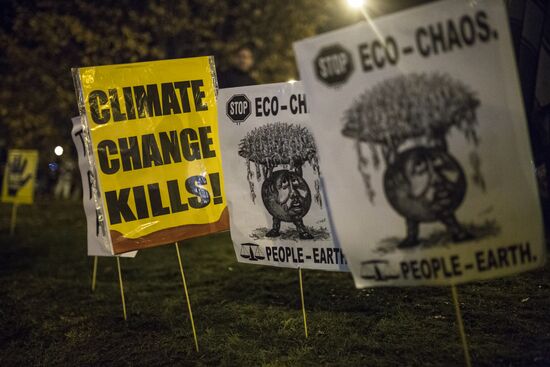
x=238, y=74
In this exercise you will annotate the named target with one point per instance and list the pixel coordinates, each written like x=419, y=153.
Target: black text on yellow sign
x=148, y=150
x=152, y=205
x=143, y=101
x=153, y=128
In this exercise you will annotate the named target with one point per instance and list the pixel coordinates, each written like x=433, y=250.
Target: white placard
x=423, y=142
x=272, y=182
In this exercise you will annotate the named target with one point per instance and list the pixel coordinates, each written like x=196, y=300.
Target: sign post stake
x=187, y=298
x=303, y=303
x=121, y=287
x=13, y=218
x=461, y=327
x=94, y=273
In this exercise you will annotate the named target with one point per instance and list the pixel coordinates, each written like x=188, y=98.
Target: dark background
x=40, y=40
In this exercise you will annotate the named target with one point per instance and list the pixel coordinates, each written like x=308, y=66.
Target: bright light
x=291, y=81
x=58, y=151
x=356, y=3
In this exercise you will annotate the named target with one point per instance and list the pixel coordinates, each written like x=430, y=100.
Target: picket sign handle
x=460, y=323
x=187, y=298
x=94, y=273
x=303, y=303
x=121, y=287
x=13, y=218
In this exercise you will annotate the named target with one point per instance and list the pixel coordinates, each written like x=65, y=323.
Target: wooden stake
x=121, y=287
x=187, y=298
x=303, y=303
x=461, y=327
x=13, y=218
x=94, y=273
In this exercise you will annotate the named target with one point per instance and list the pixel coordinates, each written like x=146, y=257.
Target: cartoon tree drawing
x=405, y=121
x=276, y=153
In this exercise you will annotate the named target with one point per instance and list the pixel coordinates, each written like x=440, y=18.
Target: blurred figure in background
x=242, y=61
x=64, y=183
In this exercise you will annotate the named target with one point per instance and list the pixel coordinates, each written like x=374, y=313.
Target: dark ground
x=245, y=315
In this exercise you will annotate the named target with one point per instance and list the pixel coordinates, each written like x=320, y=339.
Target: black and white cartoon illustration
x=406, y=120
x=279, y=152
x=287, y=198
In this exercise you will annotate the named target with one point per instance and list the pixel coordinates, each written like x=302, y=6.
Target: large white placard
x=272, y=179
x=423, y=142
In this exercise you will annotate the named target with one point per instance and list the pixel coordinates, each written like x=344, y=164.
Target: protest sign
x=98, y=239
x=20, y=176
x=272, y=177
x=423, y=141
x=153, y=131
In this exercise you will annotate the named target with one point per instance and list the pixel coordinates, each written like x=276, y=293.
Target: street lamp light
x=58, y=151
x=356, y=4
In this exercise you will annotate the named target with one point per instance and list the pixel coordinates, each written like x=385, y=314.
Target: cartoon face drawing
x=277, y=152
x=286, y=196
x=425, y=184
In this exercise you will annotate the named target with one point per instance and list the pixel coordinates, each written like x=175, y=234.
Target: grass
x=245, y=315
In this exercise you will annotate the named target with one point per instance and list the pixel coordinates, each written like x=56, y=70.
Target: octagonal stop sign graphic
x=333, y=65
x=238, y=108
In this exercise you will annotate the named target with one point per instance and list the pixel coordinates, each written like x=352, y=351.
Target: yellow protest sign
x=153, y=131
x=19, y=176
